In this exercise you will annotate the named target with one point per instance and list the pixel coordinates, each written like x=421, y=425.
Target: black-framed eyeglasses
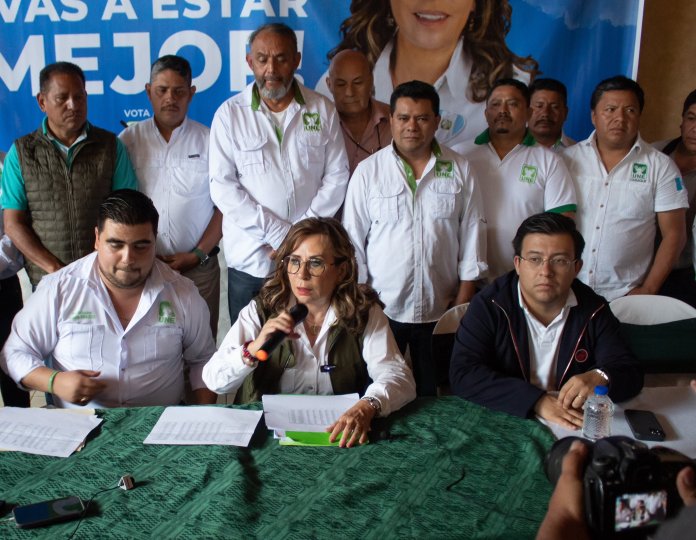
x=315, y=265
x=559, y=263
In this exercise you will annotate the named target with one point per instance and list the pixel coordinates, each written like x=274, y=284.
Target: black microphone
x=298, y=312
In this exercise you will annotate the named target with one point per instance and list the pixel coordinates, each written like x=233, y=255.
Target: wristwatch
x=202, y=255
x=603, y=374
x=374, y=403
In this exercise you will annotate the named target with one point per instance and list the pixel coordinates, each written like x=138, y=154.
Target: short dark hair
x=416, y=90
x=127, y=207
x=689, y=101
x=552, y=85
x=510, y=82
x=177, y=64
x=549, y=223
x=276, y=28
x=619, y=82
x=67, y=68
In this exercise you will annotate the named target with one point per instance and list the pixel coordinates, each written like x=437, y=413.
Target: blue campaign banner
x=114, y=41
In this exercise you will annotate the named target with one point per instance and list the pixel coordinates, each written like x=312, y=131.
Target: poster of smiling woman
x=459, y=45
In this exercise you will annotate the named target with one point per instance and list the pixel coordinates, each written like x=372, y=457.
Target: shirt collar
x=571, y=301
x=485, y=138
x=638, y=145
x=456, y=76
x=52, y=138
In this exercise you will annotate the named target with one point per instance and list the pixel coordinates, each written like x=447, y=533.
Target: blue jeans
x=241, y=288
x=418, y=338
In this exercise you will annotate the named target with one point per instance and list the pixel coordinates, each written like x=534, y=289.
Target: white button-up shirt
x=71, y=317
x=544, y=342
x=392, y=380
x=175, y=176
x=528, y=180
x=617, y=212
x=415, y=247
x=263, y=181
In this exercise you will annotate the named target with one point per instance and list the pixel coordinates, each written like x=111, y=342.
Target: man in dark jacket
x=538, y=330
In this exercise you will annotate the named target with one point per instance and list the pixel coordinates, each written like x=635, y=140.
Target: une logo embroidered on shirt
x=529, y=174
x=83, y=316
x=639, y=172
x=312, y=121
x=166, y=313
x=444, y=168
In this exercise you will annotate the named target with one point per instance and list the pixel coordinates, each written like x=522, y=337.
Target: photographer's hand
x=686, y=485
x=565, y=517
x=549, y=408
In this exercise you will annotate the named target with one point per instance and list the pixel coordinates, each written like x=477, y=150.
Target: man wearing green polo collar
x=55, y=177
x=276, y=156
x=414, y=215
x=517, y=176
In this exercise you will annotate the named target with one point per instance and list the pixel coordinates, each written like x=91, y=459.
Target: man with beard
x=118, y=323
x=276, y=156
x=549, y=106
x=517, y=177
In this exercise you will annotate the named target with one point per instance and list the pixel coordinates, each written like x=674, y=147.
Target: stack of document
x=46, y=432
x=302, y=420
x=204, y=425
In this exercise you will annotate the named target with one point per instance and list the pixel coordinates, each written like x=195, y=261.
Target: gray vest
x=63, y=202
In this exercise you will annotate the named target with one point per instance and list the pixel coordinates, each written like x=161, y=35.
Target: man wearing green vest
x=517, y=176
x=55, y=177
x=413, y=213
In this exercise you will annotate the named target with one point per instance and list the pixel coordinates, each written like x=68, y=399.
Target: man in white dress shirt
x=414, y=215
x=626, y=189
x=118, y=323
x=276, y=156
x=170, y=155
x=517, y=177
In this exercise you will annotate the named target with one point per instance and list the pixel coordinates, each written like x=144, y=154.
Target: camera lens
x=554, y=459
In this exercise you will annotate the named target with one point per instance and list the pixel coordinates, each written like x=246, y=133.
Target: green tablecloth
x=394, y=488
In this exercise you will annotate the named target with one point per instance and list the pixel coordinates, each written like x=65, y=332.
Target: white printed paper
x=305, y=413
x=204, y=425
x=46, y=432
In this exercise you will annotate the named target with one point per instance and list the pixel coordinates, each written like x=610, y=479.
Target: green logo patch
x=680, y=184
x=444, y=168
x=529, y=174
x=166, y=313
x=312, y=121
x=83, y=316
x=639, y=172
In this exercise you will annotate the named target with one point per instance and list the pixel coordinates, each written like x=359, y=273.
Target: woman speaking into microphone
x=343, y=345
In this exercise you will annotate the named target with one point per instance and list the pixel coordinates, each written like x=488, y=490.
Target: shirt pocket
x=86, y=341
x=442, y=198
x=638, y=200
x=191, y=178
x=313, y=146
x=249, y=157
x=164, y=346
x=384, y=203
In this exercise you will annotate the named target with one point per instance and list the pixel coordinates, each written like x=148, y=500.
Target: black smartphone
x=644, y=425
x=46, y=512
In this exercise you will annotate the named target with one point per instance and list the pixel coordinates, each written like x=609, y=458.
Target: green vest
x=63, y=202
x=345, y=352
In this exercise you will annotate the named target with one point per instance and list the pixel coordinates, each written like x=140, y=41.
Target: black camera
x=629, y=489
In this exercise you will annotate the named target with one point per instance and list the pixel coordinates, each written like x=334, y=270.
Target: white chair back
x=449, y=322
x=651, y=309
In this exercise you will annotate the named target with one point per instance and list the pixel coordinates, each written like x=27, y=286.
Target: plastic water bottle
x=599, y=409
